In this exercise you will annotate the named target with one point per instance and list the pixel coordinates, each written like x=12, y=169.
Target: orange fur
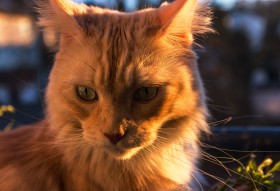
x=115, y=54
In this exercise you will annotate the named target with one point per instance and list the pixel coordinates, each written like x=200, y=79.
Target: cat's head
x=124, y=82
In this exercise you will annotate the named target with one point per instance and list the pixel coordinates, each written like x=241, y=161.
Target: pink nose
x=114, y=138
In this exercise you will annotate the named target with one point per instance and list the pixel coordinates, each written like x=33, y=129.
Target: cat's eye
x=145, y=93
x=86, y=93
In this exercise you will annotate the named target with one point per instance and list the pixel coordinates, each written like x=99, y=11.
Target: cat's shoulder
x=28, y=158
x=14, y=144
x=23, y=133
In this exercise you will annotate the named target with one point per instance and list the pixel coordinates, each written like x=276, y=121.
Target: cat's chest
x=106, y=175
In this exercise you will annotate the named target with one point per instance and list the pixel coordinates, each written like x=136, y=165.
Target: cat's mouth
x=120, y=153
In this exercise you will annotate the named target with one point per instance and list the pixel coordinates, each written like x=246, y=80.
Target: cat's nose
x=114, y=138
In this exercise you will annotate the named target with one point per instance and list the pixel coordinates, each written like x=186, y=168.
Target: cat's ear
x=184, y=18
x=58, y=15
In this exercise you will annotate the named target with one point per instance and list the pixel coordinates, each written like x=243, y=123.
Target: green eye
x=145, y=93
x=86, y=93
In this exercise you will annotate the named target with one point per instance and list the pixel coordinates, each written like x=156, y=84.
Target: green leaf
x=275, y=168
x=268, y=182
x=6, y=108
x=252, y=166
x=10, y=126
x=265, y=163
x=239, y=169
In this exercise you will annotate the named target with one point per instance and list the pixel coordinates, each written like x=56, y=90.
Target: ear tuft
x=184, y=18
x=58, y=15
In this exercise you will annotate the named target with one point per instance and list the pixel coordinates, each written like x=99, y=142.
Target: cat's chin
x=122, y=154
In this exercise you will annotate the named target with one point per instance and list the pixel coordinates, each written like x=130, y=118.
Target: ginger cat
x=125, y=103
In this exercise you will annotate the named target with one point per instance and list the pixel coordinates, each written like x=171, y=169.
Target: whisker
x=196, y=179
x=202, y=171
x=240, y=163
x=215, y=160
x=224, y=121
x=27, y=115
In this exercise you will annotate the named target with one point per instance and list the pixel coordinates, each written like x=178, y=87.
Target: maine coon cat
x=125, y=103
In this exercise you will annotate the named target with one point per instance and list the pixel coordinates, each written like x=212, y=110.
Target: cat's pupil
x=86, y=93
x=146, y=90
x=145, y=93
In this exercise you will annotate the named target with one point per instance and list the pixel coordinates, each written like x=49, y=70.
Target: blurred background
x=240, y=66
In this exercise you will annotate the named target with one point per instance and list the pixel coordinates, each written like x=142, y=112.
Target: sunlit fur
x=115, y=54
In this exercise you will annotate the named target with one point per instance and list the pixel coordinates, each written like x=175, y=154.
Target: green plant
x=7, y=109
x=254, y=177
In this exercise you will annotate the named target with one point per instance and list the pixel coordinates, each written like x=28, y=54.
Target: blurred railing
x=246, y=138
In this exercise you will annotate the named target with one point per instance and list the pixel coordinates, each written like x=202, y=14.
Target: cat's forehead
x=135, y=24
x=122, y=47
x=121, y=69
x=117, y=66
